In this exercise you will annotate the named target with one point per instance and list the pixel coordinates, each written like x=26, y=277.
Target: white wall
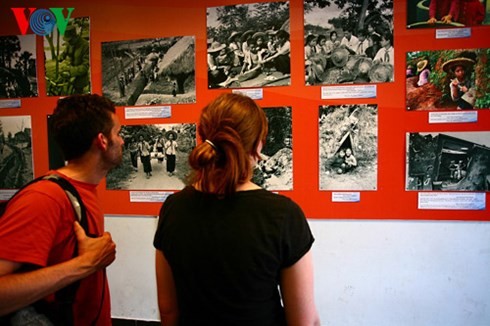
x=391, y=273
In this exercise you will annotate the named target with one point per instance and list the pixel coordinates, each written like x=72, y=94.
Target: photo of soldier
x=67, y=64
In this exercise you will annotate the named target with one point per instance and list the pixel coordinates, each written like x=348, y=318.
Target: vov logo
x=42, y=21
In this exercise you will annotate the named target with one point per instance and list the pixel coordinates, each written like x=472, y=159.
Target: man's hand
x=64, y=65
x=97, y=252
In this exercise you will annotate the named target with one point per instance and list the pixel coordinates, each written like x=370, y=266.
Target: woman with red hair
x=229, y=252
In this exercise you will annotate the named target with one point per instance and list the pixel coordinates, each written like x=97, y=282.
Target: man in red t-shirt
x=38, y=235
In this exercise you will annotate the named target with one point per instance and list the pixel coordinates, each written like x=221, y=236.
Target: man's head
x=78, y=120
x=348, y=33
x=361, y=36
x=70, y=35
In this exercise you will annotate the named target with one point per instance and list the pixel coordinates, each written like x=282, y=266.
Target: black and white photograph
x=67, y=59
x=55, y=154
x=155, y=157
x=275, y=170
x=348, y=41
x=451, y=79
x=18, y=77
x=15, y=151
x=149, y=71
x=448, y=161
x=348, y=139
x=447, y=13
x=248, y=45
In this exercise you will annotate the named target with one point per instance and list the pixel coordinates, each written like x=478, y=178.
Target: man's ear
x=101, y=141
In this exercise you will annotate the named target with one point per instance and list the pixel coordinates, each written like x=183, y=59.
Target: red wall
x=113, y=20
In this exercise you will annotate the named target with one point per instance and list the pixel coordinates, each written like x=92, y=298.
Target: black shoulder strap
x=63, y=309
x=74, y=197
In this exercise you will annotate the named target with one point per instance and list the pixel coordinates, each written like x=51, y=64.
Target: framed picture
x=16, y=167
x=447, y=13
x=248, y=45
x=348, y=42
x=348, y=141
x=448, y=161
x=448, y=80
x=67, y=59
x=18, y=77
x=275, y=170
x=155, y=157
x=149, y=71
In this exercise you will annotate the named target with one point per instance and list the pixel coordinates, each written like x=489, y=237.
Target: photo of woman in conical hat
x=452, y=79
x=461, y=87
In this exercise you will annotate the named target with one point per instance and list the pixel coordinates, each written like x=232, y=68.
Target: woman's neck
x=249, y=185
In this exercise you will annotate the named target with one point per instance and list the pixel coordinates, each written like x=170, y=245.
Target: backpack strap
x=73, y=196
x=66, y=296
x=63, y=311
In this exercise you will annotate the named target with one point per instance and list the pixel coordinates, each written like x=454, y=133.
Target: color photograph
x=149, y=71
x=15, y=151
x=155, y=157
x=248, y=45
x=67, y=59
x=447, y=13
x=348, y=42
x=448, y=80
x=275, y=170
x=448, y=161
x=18, y=77
x=348, y=139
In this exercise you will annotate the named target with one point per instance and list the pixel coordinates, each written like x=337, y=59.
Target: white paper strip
x=452, y=200
x=256, y=93
x=453, y=33
x=148, y=196
x=346, y=197
x=341, y=92
x=453, y=117
x=8, y=104
x=147, y=112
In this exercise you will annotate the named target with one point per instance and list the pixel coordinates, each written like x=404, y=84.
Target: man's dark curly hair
x=78, y=119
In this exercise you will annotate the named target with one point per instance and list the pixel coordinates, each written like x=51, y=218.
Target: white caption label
x=255, y=94
x=452, y=200
x=346, y=197
x=453, y=117
x=148, y=196
x=9, y=104
x=341, y=92
x=147, y=112
x=453, y=33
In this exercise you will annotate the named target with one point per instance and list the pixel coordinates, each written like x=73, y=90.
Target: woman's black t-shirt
x=226, y=254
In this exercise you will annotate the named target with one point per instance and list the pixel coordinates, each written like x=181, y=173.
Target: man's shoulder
x=40, y=192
